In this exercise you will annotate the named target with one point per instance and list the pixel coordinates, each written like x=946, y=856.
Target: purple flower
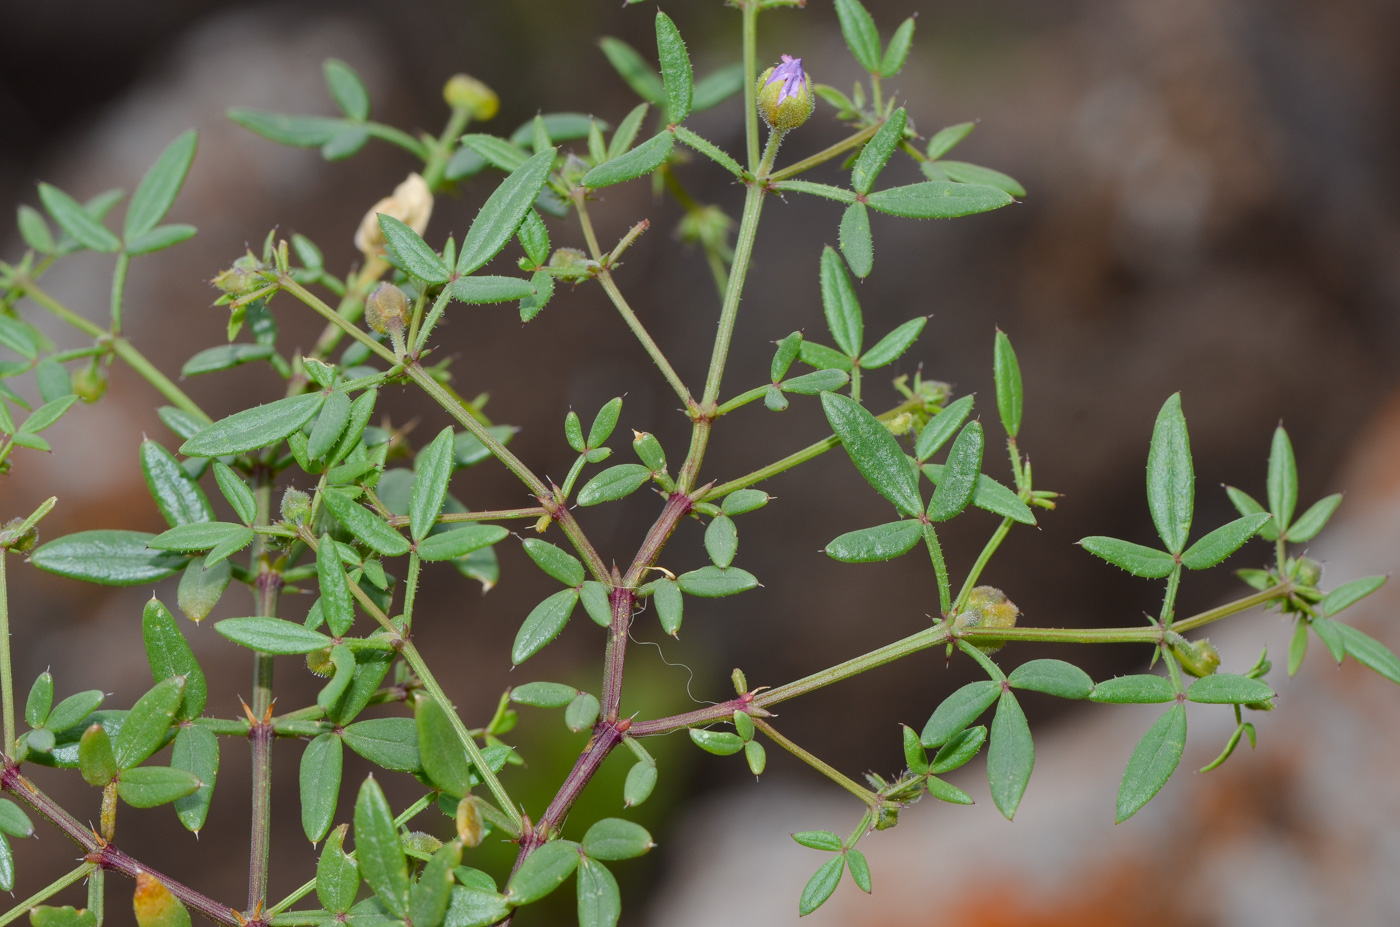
x=791, y=74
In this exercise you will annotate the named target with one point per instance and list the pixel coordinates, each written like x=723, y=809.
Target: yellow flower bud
x=411, y=203
x=464, y=92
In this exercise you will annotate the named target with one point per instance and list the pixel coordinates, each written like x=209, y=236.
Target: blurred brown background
x=1212, y=209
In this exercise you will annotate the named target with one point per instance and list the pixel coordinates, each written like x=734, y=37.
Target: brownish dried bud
x=386, y=309
x=987, y=607
x=411, y=203
x=470, y=828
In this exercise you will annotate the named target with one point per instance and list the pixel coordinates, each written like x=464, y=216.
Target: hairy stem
x=826, y=769
x=267, y=588
x=119, y=290
x=7, y=679
x=826, y=154
x=45, y=893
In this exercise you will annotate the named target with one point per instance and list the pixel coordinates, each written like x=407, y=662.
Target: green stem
x=408, y=814
x=826, y=154
x=743, y=399
x=826, y=769
x=446, y=142
x=940, y=568
x=792, y=460
x=418, y=338
x=750, y=17
x=266, y=590
x=984, y=661
x=1169, y=600
x=97, y=895
x=7, y=679
x=982, y=560
x=119, y=290
x=47, y=892
x=398, y=137
x=411, y=588
x=336, y=319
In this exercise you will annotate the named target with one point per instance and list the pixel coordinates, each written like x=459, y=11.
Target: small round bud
x=1198, y=658
x=887, y=818
x=571, y=263
x=470, y=94
x=411, y=203
x=386, y=309
x=470, y=828
x=319, y=662
x=784, y=95
x=1306, y=571
x=418, y=842
x=900, y=424
x=987, y=607
x=11, y=540
x=741, y=683
x=90, y=382
x=296, y=506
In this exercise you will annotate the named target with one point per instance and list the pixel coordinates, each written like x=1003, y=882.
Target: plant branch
x=870, y=799
x=826, y=154
x=47, y=892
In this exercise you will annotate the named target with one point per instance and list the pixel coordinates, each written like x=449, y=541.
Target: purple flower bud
x=784, y=95
x=791, y=74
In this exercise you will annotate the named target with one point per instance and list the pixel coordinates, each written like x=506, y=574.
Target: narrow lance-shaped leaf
x=178, y=497
x=820, y=886
x=76, y=221
x=444, y=759
x=1222, y=542
x=839, y=302
x=196, y=751
x=855, y=239
x=959, y=478
x=433, y=470
x=151, y=786
x=881, y=542
x=1283, y=480
x=413, y=252
x=501, y=215
x=337, y=874
x=365, y=525
x=1171, y=481
x=861, y=36
x=543, y=624
x=1007, y=373
x=378, y=850
x=346, y=89
x=1138, y=560
x=1010, y=755
x=320, y=784
x=676, y=75
x=641, y=160
x=877, y=152
x=158, y=188
x=169, y=655
x=875, y=452
x=336, y=604
x=1153, y=761
x=144, y=729
x=254, y=428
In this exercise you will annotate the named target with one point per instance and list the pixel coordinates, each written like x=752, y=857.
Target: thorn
x=252, y=719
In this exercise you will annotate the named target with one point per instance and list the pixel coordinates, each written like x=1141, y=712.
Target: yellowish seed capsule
x=465, y=92
x=470, y=828
x=987, y=607
x=1198, y=658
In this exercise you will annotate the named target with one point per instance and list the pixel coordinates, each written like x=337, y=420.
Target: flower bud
x=470, y=829
x=18, y=543
x=464, y=92
x=296, y=506
x=784, y=95
x=90, y=382
x=411, y=203
x=386, y=309
x=571, y=264
x=1306, y=571
x=1198, y=658
x=900, y=424
x=240, y=279
x=987, y=607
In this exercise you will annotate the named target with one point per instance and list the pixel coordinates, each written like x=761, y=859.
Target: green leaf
x=756, y=756
x=599, y=901
x=818, y=840
x=713, y=581
x=370, y=668
x=581, y=712
x=1136, y=689
x=13, y=821
x=32, y=442
x=179, y=421
x=643, y=159
x=959, y=710
x=824, y=190
x=1297, y=645
x=346, y=89
x=627, y=130
x=1283, y=480
x=856, y=243
x=721, y=540
x=889, y=348
x=149, y=786
x=670, y=605
x=40, y=700
x=200, y=588
x=337, y=874
x=427, y=904
x=321, y=764
x=503, y=211
x=336, y=604
x=877, y=151
x=614, y=483
x=1152, y=763
x=1147, y=562
x=959, y=749
x=824, y=881
x=560, y=127
x=378, y=849
x=818, y=381
x=272, y=635
x=433, y=468
x=225, y=357
x=1331, y=635
x=20, y=338
x=1053, y=677
x=1314, y=519
x=95, y=760
x=497, y=152
x=1007, y=373
x=543, y=624
x=1370, y=652
x=76, y=221
x=160, y=238
x=46, y=415
x=839, y=302
x=962, y=172
x=604, y=422
x=254, y=428
x=1222, y=542
x=958, y=480
x=34, y=230
x=1010, y=756
x=543, y=694
x=413, y=252
x=330, y=424
x=895, y=55
x=557, y=563
x=388, y=742
x=473, y=907
x=641, y=779
x=615, y=838
x=676, y=75
x=459, y=542
x=744, y=500
x=864, y=42
x=236, y=492
x=1171, y=481
x=882, y=542
x=937, y=200
x=720, y=743
x=343, y=659
x=991, y=496
x=1348, y=594
x=595, y=598
x=200, y=536
x=297, y=131
x=634, y=69
x=490, y=289
x=942, y=427
x=365, y=525
x=1246, y=505
x=169, y=654
x=196, y=751
x=875, y=452
x=73, y=710
x=157, y=191
x=1228, y=689
x=542, y=872
x=444, y=759
x=143, y=732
